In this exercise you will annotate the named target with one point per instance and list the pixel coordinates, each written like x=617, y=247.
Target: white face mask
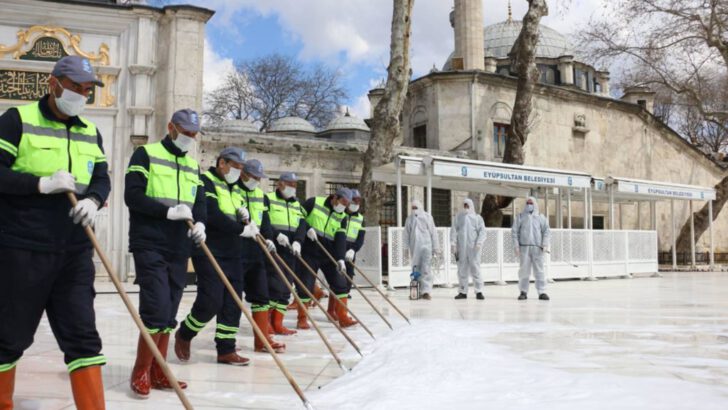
x=354, y=207
x=288, y=192
x=70, y=103
x=183, y=142
x=339, y=208
x=232, y=175
x=417, y=212
x=529, y=208
x=251, y=184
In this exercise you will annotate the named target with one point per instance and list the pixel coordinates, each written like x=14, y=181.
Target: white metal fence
x=369, y=257
x=574, y=254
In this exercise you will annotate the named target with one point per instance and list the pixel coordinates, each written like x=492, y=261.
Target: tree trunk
x=385, y=129
x=523, y=63
x=701, y=217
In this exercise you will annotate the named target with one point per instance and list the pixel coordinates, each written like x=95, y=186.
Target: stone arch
x=418, y=116
x=418, y=127
x=501, y=112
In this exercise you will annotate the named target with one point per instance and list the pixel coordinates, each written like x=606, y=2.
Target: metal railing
x=574, y=254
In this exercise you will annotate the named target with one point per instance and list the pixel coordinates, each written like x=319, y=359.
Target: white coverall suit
x=420, y=237
x=467, y=237
x=531, y=237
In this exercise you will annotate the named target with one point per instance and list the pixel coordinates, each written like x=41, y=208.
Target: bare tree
x=265, y=89
x=523, y=63
x=232, y=100
x=681, y=112
x=385, y=126
x=679, y=44
x=682, y=46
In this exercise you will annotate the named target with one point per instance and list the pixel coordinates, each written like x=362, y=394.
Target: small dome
x=347, y=122
x=292, y=124
x=238, y=126
x=500, y=37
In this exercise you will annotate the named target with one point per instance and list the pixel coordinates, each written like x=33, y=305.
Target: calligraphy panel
x=27, y=85
x=45, y=49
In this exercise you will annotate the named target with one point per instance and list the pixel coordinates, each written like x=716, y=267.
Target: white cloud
x=215, y=68
x=361, y=107
x=359, y=29
x=354, y=33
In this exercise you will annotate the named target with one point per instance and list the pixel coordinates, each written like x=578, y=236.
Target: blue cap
x=254, y=168
x=344, y=193
x=233, y=154
x=288, y=177
x=355, y=194
x=78, y=69
x=187, y=119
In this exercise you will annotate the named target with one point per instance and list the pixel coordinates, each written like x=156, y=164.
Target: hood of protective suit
x=524, y=211
x=471, y=206
x=420, y=208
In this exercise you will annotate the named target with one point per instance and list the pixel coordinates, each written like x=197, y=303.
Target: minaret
x=467, y=20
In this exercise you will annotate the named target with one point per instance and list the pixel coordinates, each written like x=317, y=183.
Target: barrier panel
x=575, y=253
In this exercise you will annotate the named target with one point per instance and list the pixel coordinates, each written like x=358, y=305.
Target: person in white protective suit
x=467, y=237
x=531, y=241
x=420, y=238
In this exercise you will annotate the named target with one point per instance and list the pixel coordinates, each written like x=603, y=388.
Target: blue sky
x=349, y=35
x=256, y=35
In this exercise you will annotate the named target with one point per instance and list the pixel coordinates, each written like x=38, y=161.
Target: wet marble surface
x=673, y=329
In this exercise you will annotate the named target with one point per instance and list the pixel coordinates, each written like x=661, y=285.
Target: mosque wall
x=571, y=130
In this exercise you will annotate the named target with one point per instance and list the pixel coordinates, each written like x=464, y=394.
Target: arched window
x=418, y=124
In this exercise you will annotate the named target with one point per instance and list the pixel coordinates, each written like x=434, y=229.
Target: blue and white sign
x=666, y=191
x=510, y=176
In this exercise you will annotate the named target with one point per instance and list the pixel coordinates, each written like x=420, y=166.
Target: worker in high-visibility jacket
x=255, y=273
x=327, y=220
x=46, y=150
x=354, y=239
x=225, y=230
x=289, y=230
x=163, y=191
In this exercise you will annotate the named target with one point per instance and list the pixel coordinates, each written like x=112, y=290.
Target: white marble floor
x=621, y=343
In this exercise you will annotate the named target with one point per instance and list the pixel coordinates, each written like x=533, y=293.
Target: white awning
x=478, y=176
x=630, y=189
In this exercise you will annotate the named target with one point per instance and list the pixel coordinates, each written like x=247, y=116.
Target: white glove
x=197, y=233
x=342, y=266
x=60, y=181
x=350, y=255
x=251, y=230
x=453, y=249
x=312, y=234
x=296, y=248
x=546, y=249
x=243, y=213
x=283, y=240
x=271, y=245
x=84, y=212
x=179, y=213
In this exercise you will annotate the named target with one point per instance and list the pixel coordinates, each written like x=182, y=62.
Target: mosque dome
x=238, y=126
x=347, y=122
x=292, y=124
x=500, y=37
